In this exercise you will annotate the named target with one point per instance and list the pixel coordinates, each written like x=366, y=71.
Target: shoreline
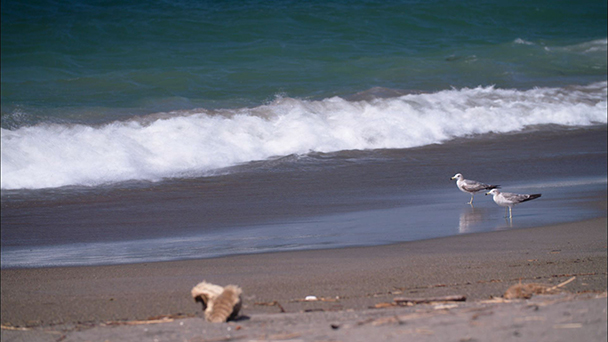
x=477, y=265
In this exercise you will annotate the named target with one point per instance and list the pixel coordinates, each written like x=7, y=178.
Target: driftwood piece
x=219, y=303
x=273, y=303
x=526, y=291
x=404, y=300
x=227, y=305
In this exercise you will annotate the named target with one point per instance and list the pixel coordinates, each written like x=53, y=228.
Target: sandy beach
x=305, y=152
x=352, y=285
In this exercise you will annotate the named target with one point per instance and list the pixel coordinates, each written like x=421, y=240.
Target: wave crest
x=191, y=143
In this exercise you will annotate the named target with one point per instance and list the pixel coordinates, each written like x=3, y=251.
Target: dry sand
x=355, y=287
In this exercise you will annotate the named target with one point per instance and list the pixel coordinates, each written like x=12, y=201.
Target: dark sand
x=77, y=303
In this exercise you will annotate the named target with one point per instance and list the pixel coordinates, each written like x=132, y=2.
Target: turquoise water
x=84, y=61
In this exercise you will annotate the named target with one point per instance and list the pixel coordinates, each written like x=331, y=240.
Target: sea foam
x=191, y=143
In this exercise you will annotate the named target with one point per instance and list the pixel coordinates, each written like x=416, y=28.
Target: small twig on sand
x=10, y=327
x=563, y=284
x=152, y=321
x=402, y=300
x=273, y=303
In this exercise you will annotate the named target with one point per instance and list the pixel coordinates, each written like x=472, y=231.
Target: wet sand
x=68, y=302
x=351, y=198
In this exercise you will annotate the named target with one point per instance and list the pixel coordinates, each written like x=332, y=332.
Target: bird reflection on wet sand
x=471, y=219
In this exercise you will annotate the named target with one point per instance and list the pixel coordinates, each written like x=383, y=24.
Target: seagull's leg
x=510, y=213
x=471, y=201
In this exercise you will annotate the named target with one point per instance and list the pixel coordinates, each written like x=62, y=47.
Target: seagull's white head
x=493, y=192
x=457, y=176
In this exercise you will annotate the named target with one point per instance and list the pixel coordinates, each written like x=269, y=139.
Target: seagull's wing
x=515, y=198
x=474, y=186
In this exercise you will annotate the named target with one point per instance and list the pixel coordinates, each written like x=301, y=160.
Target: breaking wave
x=181, y=144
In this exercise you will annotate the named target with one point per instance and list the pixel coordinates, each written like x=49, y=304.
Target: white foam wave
x=596, y=47
x=566, y=183
x=522, y=42
x=178, y=144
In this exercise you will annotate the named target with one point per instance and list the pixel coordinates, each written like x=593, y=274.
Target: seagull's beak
x=452, y=178
x=487, y=193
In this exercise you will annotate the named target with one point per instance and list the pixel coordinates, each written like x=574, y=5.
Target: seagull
x=507, y=199
x=471, y=186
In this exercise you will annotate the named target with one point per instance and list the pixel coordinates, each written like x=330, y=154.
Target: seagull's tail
x=533, y=196
x=490, y=187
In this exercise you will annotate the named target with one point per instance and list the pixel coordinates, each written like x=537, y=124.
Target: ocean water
x=121, y=120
